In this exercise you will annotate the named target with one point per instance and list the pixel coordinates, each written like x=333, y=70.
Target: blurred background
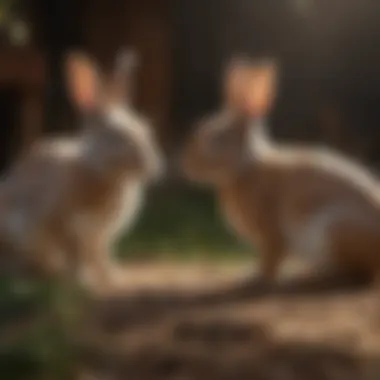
x=330, y=88
x=329, y=91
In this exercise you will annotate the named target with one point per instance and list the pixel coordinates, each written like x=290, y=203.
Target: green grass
x=176, y=224
x=37, y=318
x=181, y=224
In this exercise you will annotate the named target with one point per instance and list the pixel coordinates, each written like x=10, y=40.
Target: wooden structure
x=100, y=27
x=144, y=25
x=25, y=71
x=327, y=50
x=23, y=77
x=330, y=77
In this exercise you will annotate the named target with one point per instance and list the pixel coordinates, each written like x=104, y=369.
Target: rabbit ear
x=235, y=80
x=121, y=86
x=260, y=88
x=83, y=82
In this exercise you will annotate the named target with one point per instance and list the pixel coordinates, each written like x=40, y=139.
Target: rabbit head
x=116, y=138
x=218, y=150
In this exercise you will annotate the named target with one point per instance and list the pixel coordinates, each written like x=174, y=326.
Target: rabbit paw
x=107, y=279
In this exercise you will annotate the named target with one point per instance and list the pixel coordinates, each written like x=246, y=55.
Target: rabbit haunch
x=263, y=148
x=91, y=153
x=284, y=199
x=71, y=173
x=75, y=195
x=92, y=148
x=312, y=238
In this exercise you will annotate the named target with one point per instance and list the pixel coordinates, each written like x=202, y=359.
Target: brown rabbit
x=71, y=198
x=283, y=199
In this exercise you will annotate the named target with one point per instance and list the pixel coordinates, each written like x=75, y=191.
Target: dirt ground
x=198, y=321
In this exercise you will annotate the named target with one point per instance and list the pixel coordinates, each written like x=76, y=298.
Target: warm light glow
x=303, y=6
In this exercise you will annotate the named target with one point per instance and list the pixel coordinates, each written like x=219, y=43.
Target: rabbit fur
x=283, y=199
x=67, y=201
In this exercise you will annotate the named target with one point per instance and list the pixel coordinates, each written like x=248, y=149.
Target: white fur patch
x=62, y=148
x=131, y=202
x=115, y=221
x=310, y=240
x=265, y=150
x=126, y=121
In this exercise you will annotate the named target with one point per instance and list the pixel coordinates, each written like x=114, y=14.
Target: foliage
x=6, y=7
x=37, y=320
x=181, y=223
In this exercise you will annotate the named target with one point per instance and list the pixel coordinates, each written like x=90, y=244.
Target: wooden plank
x=145, y=26
x=22, y=68
x=31, y=118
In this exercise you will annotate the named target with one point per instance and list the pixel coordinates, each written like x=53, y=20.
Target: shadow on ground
x=143, y=307
x=172, y=335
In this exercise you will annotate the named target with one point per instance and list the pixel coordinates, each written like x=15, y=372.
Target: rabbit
x=285, y=199
x=66, y=202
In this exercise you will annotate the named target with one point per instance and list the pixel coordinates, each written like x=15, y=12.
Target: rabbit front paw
x=104, y=277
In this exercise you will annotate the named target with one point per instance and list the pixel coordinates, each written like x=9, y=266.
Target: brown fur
x=272, y=197
x=67, y=200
